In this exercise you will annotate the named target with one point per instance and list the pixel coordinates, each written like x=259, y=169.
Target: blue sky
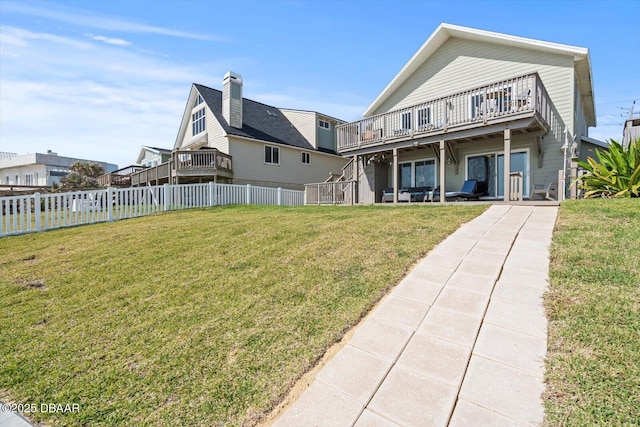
x=99, y=79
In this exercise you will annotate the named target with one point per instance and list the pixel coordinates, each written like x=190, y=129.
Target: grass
x=593, y=306
x=198, y=317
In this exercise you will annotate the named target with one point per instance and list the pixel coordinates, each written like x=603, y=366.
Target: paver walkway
x=460, y=341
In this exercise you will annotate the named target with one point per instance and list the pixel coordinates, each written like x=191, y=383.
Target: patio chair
x=548, y=191
x=523, y=99
x=472, y=189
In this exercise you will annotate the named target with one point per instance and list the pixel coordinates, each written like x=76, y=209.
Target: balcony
x=186, y=166
x=520, y=103
x=118, y=178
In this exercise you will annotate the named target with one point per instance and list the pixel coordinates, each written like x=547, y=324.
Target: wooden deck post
x=394, y=178
x=443, y=163
x=507, y=164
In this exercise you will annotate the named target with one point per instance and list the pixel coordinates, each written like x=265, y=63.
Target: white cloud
x=88, y=100
x=20, y=37
x=87, y=19
x=110, y=40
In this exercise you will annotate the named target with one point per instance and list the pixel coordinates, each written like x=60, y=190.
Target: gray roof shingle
x=259, y=121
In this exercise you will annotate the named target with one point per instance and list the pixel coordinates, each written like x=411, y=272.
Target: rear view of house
x=226, y=138
x=505, y=111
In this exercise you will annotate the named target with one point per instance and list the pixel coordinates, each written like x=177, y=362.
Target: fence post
x=211, y=193
x=109, y=204
x=279, y=196
x=166, y=197
x=248, y=194
x=37, y=208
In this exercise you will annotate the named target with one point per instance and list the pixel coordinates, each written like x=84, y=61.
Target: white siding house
x=463, y=100
x=153, y=156
x=265, y=146
x=37, y=169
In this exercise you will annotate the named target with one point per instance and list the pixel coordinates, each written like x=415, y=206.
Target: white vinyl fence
x=39, y=212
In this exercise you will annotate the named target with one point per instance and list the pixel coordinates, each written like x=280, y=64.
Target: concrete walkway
x=460, y=341
x=11, y=419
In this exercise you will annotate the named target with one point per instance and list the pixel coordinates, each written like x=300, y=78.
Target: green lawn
x=593, y=305
x=198, y=317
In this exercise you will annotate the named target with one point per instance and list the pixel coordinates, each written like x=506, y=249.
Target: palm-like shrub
x=615, y=174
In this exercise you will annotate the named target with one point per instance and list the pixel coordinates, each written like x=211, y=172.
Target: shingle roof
x=259, y=121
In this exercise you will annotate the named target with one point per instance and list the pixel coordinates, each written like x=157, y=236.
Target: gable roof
x=446, y=31
x=152, y=149
x=259, y=121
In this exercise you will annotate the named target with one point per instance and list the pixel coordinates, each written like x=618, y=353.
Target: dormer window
x=198, y=124
x=199, y=101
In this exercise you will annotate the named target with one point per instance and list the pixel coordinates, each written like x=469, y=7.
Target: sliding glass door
x=483, y=168
x=490, y=168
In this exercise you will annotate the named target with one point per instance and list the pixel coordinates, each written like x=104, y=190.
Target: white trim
x=308, y=162
x=321, y=123
x=264, y=153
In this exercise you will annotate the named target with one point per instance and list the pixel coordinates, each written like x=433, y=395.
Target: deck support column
x=354, y=178
x=394, y=176
x=507, y=164
x=443, y=162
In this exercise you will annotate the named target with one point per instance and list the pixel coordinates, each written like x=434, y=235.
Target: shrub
x=615, y=174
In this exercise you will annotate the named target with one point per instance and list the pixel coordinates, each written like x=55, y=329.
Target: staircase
x=337, y=189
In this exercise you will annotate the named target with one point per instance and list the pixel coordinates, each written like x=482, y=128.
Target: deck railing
x=204, y=161
x=39, y=212
x=118, y=178
x=474, y=107
x=330, y=193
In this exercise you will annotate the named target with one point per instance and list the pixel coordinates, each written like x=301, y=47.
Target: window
x=272, y=155
x=17, y=180
x=406, y=121
x=28, y=179
x=425, y=173
x=198, y=122
x=199, y=101
x=404, y=171
x=419, y=173
x=324, y=124
x=7, y=180
x=424, y=118
x=306, y=159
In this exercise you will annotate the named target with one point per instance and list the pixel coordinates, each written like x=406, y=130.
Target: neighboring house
x=153, y=156
x=40, y=169
x=465, y=99
x=224, y=137
x=631, y=131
